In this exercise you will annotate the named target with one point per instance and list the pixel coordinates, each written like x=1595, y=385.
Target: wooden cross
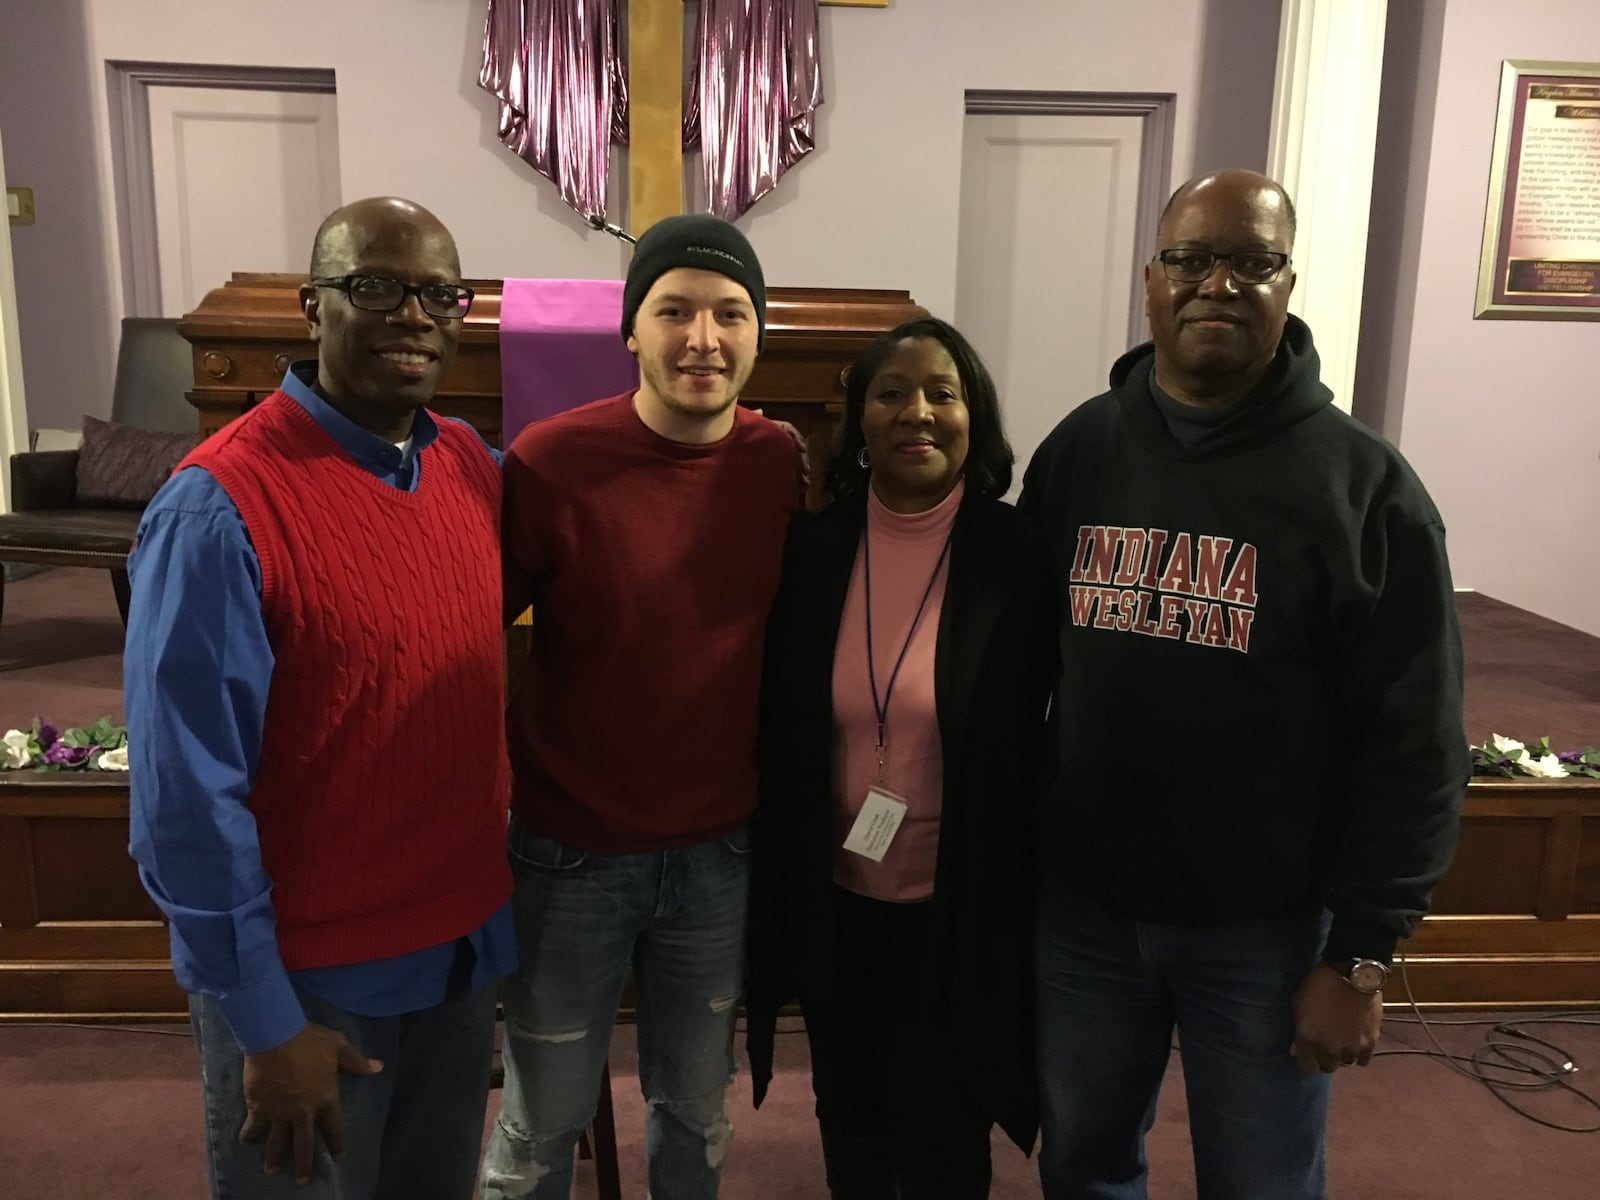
x=655, y=108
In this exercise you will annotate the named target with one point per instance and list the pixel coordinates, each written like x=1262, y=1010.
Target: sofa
x=82, y=507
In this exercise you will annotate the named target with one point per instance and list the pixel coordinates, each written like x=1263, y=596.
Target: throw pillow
x=122, y=466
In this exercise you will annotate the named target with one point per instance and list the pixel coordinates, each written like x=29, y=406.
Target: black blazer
x=994, y=665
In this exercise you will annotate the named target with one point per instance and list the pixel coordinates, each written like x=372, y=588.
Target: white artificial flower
x=16, y=752
x=114, y=760
x=1507, y=747
x=1548, y=767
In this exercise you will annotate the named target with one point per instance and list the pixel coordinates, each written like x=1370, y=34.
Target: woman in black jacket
x=909, y=660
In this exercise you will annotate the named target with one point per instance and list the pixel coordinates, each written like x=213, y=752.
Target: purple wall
x=1500, y=418
x=1233, y=100
x=877, y=206
x=63, y=305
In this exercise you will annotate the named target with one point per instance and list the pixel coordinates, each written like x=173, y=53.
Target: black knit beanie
x=701, y=241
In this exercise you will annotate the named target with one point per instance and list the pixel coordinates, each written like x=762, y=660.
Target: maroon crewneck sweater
x=651, y=567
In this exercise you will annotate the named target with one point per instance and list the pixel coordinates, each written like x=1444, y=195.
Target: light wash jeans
x=678, y=916
x=412, y=1131
x=1111, y=990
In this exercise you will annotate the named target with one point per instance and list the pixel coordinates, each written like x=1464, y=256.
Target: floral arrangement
x=1507, y=757
x=98, y=747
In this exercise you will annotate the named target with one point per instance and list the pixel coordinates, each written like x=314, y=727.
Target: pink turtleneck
x=905, y=549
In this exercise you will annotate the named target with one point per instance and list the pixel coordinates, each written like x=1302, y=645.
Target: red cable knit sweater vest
x=381, y=794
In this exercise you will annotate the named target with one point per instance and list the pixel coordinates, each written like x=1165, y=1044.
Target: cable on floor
x=1505, y=1067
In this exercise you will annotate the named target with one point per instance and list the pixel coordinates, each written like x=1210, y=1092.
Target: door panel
x=243, y=177
x=1046, y=259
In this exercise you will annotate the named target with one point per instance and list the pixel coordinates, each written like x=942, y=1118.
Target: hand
x=800, y=442
x=1334, y=1025
x=291, y=1094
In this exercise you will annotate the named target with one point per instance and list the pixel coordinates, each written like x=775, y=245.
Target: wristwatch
x=1366, y=975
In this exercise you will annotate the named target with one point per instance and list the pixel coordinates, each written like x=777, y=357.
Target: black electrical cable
x=1524, y=1068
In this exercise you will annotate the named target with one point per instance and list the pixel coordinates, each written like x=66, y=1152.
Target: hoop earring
x=861, y=459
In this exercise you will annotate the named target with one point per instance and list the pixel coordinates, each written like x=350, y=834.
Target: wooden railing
x=1516, y=921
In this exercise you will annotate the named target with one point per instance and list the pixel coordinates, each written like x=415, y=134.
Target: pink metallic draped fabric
x=554, y=66
x=760, y=84
x=750, y=96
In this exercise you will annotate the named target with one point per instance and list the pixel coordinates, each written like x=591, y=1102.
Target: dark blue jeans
x=1111, y=991
x=412, y=1131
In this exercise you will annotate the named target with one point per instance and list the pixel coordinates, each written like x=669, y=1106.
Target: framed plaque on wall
x=1541, y=232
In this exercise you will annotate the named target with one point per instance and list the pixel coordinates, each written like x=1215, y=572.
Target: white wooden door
x=243, y=177
x=1046, y=259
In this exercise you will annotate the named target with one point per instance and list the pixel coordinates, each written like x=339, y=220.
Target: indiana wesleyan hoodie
x=1259, y=710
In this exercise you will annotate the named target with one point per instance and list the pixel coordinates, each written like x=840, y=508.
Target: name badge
x=876, y=824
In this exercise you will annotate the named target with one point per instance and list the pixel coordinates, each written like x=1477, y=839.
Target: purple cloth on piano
x=560, y=347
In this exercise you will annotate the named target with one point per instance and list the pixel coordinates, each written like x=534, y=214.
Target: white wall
x=876, y=206
x=1500, y=418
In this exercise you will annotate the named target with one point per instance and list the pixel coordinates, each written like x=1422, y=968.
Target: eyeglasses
x=379, y=293
x=1246, y=266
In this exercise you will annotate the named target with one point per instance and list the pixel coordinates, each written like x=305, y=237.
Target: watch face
x=1368, y=976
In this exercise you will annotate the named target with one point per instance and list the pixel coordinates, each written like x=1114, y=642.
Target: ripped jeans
x=678, y=916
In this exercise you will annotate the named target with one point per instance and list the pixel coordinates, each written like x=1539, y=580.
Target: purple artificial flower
x=47, y=734
x=68, y=756
x=1571, y=756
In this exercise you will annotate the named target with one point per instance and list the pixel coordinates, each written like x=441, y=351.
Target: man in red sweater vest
x=315, y=608
x=646, y=531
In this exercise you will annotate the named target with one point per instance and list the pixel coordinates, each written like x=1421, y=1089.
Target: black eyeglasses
x=379, y=293
x=1246, y=266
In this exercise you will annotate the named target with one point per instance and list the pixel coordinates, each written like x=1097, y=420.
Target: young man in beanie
x=646, y=531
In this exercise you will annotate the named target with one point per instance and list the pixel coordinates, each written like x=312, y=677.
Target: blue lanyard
x=881, y=707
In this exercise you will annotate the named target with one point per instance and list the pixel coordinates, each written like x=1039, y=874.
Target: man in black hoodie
x=1259, y=725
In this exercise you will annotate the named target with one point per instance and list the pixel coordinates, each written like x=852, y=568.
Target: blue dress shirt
x=197, y=670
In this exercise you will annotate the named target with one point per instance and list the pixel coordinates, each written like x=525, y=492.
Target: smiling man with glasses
x=1257, y=584
x=315, y=597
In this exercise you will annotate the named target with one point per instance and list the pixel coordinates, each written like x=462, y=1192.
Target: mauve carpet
x=104, y=1113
